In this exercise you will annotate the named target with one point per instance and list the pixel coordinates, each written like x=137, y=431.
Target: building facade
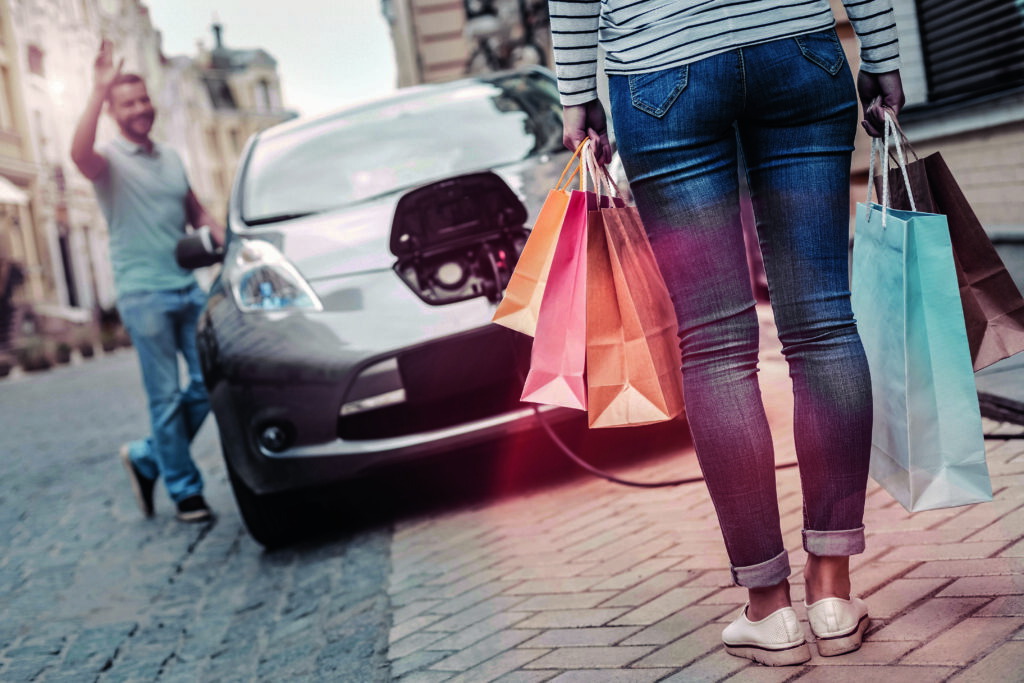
x=21, y=252
x=212, y=103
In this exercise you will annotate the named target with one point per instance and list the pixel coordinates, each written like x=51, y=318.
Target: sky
x=329, y=53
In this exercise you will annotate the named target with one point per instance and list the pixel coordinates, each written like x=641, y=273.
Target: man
x=145, y=197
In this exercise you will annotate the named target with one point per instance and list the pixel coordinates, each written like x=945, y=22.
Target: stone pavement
x=91, y=591
x=592, y=582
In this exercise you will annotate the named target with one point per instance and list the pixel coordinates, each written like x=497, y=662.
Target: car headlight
x=262, y=279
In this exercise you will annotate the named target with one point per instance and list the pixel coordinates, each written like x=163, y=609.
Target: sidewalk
x=592, y=582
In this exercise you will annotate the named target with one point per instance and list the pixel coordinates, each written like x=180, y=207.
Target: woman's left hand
x=878, y=92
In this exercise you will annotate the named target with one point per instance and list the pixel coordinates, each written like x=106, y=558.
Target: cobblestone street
x=94, y=592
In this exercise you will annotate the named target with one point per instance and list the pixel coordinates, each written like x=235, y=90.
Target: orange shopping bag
x=633, y=357
x=520, y=306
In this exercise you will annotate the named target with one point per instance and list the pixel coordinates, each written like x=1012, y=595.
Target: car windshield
x=399, y=144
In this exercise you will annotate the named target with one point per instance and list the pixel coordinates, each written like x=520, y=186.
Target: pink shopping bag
x=560, y=344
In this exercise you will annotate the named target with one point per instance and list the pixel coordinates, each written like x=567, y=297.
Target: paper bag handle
x=892, y=130
x=575, y=157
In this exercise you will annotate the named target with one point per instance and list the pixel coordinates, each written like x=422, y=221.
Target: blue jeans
x=161, y=325
x=793, y=104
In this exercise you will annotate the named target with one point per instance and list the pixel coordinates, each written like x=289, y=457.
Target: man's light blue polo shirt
x=142, y=196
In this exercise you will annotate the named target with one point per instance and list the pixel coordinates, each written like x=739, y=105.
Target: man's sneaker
x=142, y=486
x=194, y=509
x=776, y=640
x=838, y=625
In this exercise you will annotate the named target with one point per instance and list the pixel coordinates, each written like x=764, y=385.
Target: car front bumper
x=295, y=371
x=314, y=465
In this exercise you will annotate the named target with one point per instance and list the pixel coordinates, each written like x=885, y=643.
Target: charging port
x=458, y=238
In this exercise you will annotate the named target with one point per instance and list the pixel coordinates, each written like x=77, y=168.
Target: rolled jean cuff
x=762, y=575
x=834, y=543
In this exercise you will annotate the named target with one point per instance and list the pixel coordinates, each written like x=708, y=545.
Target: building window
x=263, y=95
x=35, y=60
x=236, y=141
x=971, y=48
x=37, y=117
x=6, y=116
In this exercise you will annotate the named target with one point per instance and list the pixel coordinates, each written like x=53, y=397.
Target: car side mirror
x=197, y=250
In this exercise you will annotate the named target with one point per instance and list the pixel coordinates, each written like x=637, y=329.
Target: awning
x=11, y=193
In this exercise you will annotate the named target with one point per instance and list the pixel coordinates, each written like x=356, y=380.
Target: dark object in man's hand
x=198, y=250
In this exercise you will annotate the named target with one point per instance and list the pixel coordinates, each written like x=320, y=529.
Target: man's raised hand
x=104, y=71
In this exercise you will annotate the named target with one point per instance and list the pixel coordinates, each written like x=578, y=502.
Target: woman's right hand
x=580, y=121
x=879, y=91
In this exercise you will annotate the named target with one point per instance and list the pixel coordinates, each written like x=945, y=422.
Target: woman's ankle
x=826, y=577
x=765, y=601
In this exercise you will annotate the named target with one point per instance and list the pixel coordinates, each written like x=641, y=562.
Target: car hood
x=355, y=239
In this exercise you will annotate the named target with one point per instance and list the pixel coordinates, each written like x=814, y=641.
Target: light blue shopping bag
x=927, y=446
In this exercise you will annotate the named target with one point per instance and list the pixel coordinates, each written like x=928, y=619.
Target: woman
x=689, y=82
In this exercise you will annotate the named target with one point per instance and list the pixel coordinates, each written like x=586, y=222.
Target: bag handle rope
x=600, y=174
x=893, y=133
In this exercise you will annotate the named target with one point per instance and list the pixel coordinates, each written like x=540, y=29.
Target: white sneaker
x=838, y=625
x=776, y=640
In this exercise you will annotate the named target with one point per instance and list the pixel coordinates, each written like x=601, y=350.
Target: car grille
x=450, y=382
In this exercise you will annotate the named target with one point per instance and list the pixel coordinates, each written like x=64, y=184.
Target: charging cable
x=568, y=452
x=597, y=472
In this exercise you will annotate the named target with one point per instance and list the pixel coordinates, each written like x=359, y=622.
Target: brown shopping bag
x=520, y=305
x=993, y=306
x=633, y=358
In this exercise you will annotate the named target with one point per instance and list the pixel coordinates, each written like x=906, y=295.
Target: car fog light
x=274, y=438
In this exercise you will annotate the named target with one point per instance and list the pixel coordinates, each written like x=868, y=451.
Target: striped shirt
x=640, y=36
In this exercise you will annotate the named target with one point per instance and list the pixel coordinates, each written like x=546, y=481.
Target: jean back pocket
x=824, y=49
x=655, y=92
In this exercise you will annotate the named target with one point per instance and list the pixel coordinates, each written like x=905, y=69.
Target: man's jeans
x=794, y=105
x=161, y=325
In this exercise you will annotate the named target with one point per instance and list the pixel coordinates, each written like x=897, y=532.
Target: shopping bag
x=558, y=355
x=993, y=306
x=633, y=357
x=927, y=447
x=520, y=305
